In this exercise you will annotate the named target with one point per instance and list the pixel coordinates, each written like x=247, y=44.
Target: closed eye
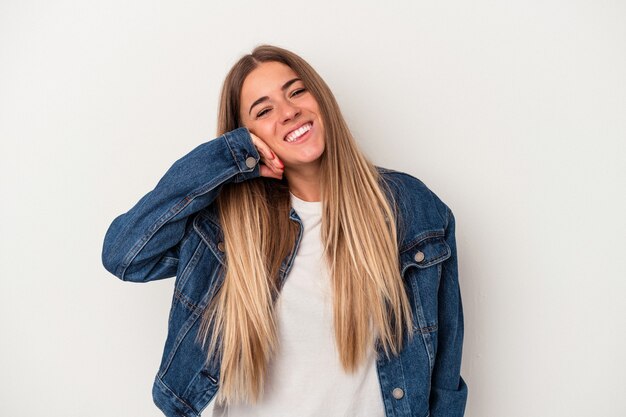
x=263, y=112
x=298, y=92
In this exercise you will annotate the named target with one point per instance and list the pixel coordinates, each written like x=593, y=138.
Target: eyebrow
x=264, y=98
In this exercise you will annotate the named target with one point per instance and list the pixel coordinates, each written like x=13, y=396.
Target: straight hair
x=359, y=232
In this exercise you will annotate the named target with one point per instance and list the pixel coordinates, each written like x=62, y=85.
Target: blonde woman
x=309, y=282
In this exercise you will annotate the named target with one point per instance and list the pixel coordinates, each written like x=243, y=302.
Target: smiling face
x=277, y=107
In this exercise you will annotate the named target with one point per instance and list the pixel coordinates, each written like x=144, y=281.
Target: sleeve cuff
x=244, y=153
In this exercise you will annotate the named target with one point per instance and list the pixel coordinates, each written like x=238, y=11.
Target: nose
x=289, y=111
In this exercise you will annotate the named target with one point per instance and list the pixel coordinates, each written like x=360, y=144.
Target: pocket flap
x=426, y=253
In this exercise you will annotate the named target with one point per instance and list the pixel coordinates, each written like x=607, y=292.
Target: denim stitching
x=422, y=237
x=174, y=394
x=182, y=278
x=421, y=319
x=427, y=329
x=184, y=300
x=232, y=153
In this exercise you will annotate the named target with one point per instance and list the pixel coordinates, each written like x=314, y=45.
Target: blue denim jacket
x=174, y=230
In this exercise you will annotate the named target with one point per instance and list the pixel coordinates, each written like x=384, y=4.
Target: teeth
x=298, y=132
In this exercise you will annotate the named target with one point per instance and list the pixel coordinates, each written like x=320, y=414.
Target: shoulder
x=415, y=203
x=403, y=181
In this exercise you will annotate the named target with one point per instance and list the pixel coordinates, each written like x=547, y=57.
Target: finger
x=268, y=156
x=266, y=152
x=262, y=147
x=278, y=162
x=275, y=167
x=266, y=171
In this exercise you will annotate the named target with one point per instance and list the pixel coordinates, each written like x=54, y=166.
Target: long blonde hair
x=370, y=304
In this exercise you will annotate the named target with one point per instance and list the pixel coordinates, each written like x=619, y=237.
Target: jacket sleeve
x=142, y=244
x=448, y=389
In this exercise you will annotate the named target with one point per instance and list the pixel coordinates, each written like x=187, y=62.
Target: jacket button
x=419, y=256
x=220, y=246
x=250, y=162
x=397, y=393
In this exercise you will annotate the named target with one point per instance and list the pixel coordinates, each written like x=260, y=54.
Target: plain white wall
x=512, y=112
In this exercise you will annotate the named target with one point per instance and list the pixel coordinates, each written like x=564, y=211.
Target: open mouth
x=294, y=135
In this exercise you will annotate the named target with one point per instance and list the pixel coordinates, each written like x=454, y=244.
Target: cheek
x=252, y=125
x=266, y=132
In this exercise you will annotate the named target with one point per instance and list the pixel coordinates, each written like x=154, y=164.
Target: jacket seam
x=184, y=300
x=206, y=240
x=230, y=149
x=184, y=330
x=232, y=153
x=176, y=397
x=421, y=238
x=432, y=194
x=190, y=266
x=427, y=329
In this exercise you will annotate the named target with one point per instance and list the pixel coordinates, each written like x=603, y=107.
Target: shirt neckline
x=299, y=205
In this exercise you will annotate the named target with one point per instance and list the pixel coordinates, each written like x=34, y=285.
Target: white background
x=513, y=112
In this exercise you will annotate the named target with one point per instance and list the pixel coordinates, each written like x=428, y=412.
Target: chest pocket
x=426, y=252
x=422, y=264
x=208, y=229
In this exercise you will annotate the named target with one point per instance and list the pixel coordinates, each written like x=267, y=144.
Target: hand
x=271, y=165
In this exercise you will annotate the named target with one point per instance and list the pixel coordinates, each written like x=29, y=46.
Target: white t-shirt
x=306, y=378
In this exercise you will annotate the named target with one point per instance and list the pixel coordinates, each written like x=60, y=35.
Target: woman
x=309, y=282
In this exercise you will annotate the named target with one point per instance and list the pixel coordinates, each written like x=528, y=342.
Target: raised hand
x=271, y=165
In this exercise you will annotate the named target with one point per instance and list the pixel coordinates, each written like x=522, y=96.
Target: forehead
x=265, y=80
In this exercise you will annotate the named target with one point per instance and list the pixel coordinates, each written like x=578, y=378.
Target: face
x=277, y=107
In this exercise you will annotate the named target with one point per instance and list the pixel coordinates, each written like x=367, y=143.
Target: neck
x=304, y=182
